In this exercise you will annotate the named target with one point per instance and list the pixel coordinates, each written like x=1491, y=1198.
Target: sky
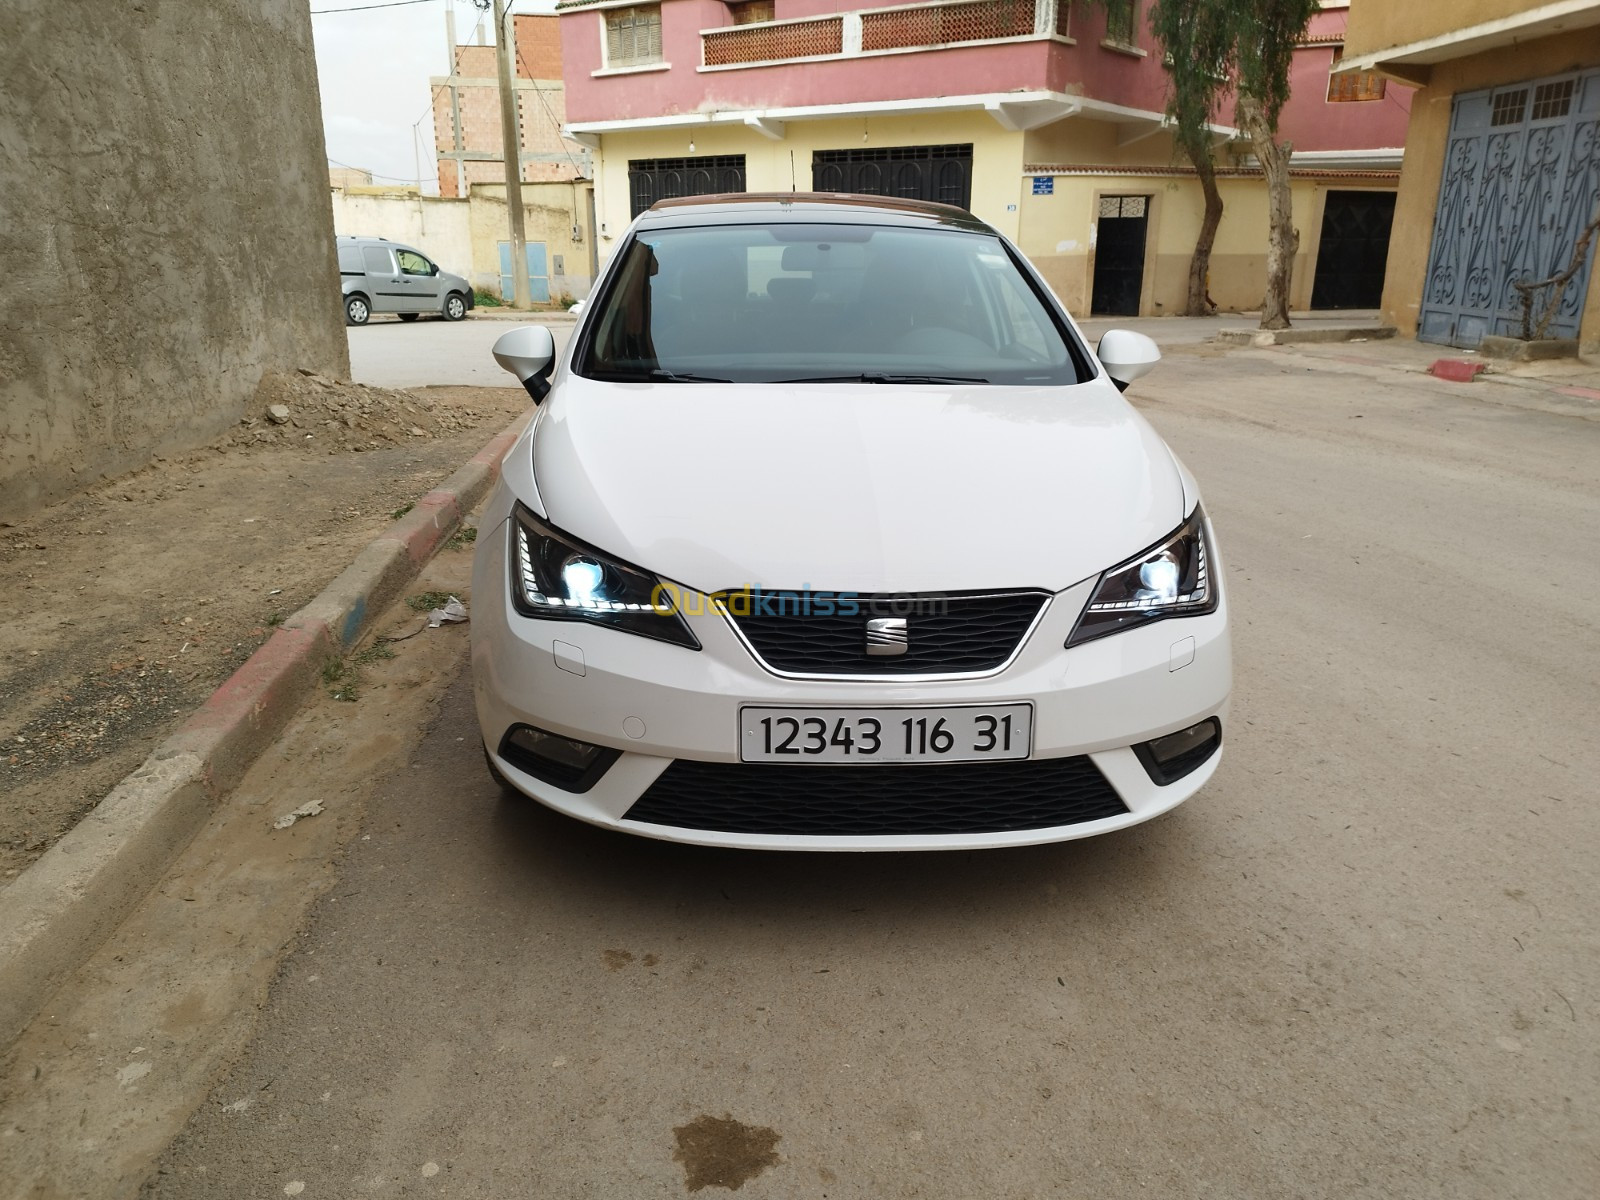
x=373, y=66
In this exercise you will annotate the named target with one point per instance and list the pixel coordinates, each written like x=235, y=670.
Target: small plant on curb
x=340, y=679
x=486, y=299
x=402, y=510
x=377, y=652
x=275, y=618
x=463, y=537
x=427, y=601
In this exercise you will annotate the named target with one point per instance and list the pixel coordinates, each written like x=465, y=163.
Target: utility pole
x=512, y=137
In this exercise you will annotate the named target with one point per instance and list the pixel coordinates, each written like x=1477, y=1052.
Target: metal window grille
x=942, y=24
x=633, y=36
x=652, y=179
x=1509, y=107
x=1063, y=18
x=1123, y=206
x=769, y=42
x=1553, y=99
x=941, y=173
x=1121, y=20
x=1367, y=85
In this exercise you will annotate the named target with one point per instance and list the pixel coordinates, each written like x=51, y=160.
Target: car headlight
x=1171, y=579
x=559, y=578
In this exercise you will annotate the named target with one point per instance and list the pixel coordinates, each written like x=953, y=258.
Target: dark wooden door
x=1119, y=255
x=1353, y=251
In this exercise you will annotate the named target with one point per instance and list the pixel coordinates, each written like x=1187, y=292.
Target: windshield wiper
x=883, y=377
x=660, y=376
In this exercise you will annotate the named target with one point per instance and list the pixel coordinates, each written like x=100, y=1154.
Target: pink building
x=1044, y=117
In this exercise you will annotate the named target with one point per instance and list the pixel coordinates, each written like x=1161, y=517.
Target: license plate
x=885, y=735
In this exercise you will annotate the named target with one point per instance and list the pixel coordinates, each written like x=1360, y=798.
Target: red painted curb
x=422, y=530
x=1457, y=370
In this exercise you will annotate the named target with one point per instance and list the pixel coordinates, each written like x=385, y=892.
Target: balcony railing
x=772, y=41
x=879, y=31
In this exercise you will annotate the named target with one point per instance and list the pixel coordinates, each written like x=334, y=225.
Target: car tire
x=455, y=306
x=356, y=310
x=407, y=316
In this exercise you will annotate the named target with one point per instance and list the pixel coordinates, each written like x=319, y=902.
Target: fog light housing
x=1168, y=759
x=567, y=763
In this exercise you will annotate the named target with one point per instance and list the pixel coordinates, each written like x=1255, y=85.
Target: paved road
x=391, y=353
x=1363, y=963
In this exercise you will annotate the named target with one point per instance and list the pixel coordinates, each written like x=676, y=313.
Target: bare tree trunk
x=1200, y=265
x=1283, y=240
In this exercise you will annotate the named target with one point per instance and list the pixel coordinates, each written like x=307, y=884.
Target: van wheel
x=356, y=310
x=407, y=316
x=455, y=306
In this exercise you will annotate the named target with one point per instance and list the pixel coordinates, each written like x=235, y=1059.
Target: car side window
x=413, y=263
x=377, y=260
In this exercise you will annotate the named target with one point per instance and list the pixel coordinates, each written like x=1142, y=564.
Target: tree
x=1197, y=41
x=1264, y=36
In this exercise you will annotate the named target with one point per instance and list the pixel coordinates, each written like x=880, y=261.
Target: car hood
x=865, y=488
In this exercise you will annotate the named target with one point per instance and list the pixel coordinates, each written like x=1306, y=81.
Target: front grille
x=946, y=634
x=923, y=798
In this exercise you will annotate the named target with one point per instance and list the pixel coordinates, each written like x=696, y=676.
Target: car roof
x=830, y=208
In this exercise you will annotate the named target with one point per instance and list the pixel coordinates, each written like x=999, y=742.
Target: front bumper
x=656, y=703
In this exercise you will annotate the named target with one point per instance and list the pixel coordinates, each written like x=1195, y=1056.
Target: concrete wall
x=440, y=228
x=1418, y=201
x=165, y=227
x=549, y=212
x=1380, y=24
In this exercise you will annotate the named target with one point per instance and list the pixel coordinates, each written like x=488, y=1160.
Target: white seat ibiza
x=830, y=533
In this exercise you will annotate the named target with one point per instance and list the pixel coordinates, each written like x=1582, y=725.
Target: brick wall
x=538, y=40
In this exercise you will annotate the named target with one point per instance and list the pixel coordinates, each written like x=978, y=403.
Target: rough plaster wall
x=165, y=225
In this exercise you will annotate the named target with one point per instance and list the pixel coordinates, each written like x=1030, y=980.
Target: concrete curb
x=58, y=911
x=1294, y=337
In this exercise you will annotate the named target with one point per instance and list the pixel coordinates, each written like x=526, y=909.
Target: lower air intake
x=853, y=801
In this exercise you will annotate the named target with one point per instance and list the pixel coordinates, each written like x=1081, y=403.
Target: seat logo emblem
x=887, y=637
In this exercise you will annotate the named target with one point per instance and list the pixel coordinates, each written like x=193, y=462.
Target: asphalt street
x=1361, y=963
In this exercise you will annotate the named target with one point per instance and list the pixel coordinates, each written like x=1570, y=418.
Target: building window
x=1063, y=18
x=633, y=36
x=1363, y=85
x=1553, y=99
x=1509, y=107
x=1122, y=21
x=749, y=12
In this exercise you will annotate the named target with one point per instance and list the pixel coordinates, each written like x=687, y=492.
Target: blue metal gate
x=1521, y=179
x=538, y=274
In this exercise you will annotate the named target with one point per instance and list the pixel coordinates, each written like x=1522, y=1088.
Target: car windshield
x=822, y=304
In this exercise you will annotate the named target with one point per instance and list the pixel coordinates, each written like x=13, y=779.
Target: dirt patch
x=129, y=604
x=313, y=412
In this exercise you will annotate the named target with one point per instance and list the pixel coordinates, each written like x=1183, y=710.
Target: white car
x=830, y=533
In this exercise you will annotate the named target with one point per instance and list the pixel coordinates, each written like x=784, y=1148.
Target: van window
x=349, y=260
x=378, y=260
x=413, y=263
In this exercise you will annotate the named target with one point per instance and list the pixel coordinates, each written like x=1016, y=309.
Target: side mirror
x=1127, y=356
x=529, y=353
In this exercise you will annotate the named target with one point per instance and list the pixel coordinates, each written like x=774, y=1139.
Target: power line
x=322, y=12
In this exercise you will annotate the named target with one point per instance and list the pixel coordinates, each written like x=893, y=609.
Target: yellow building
x=1502, y=168
x=1043, y=117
